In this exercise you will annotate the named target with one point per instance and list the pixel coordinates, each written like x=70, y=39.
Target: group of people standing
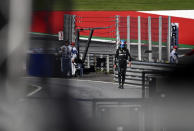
x=68, y=53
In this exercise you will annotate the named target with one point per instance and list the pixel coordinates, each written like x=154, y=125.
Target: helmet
x=175, y=47
x=122, y=44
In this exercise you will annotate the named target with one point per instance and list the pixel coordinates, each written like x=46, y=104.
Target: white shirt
x=174, y=56
x=73, y=53
x=66, y=51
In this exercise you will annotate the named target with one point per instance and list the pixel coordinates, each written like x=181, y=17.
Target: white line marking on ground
x=35, y=91
x=94, y=81
x=31, y=93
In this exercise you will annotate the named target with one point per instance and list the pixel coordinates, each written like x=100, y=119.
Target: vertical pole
x=168, y=38
x=102, y=69
x=143, y=84
x=77, y=43
x=88, y=61
x=149, y=38
x=160, y=39
x=107, y=64
x=81, y=56
x=66, y=27
x=117, y=32
x=70, y=28
x=73, y=28
x=95, y=61
x=128, y=33
x=139, y=38
x=113, y=61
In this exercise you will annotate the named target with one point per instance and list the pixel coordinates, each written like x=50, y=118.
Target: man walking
x=122, y=58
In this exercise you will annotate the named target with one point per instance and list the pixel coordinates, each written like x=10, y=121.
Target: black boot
x=122, y=87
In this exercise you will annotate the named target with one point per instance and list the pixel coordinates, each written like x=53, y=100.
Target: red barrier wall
x=54, y=20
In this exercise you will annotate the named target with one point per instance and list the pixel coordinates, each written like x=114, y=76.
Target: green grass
x=113, y=4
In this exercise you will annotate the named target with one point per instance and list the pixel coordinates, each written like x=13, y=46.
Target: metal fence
x=148, y=32
x=101, y=62
x=108, y=23
x=143, y=34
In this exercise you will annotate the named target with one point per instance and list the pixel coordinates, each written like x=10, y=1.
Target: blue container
x=43, y=62
x=42, y=65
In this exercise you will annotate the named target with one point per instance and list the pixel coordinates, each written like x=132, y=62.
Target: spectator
x=174, y=55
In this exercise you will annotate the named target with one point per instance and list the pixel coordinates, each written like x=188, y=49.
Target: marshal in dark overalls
x=122, y=58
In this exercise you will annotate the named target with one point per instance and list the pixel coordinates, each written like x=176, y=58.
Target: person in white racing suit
x=73, y=57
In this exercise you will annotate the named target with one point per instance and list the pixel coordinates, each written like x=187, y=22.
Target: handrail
x=150, y=72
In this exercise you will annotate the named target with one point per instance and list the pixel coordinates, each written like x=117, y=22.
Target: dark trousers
x=66, y=66
x=121, y=74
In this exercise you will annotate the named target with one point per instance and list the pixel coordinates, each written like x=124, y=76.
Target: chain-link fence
x=132, y=29
x=106, y=23
x=147, y=37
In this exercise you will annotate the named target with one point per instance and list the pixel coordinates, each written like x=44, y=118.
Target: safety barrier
x=136, y=75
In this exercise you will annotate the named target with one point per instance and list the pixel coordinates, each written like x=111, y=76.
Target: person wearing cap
x=122, y=58
x=65, y=52
x=174, y=55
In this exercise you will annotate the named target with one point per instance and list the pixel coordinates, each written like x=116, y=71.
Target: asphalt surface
x=90, y=86
x=58, y=104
